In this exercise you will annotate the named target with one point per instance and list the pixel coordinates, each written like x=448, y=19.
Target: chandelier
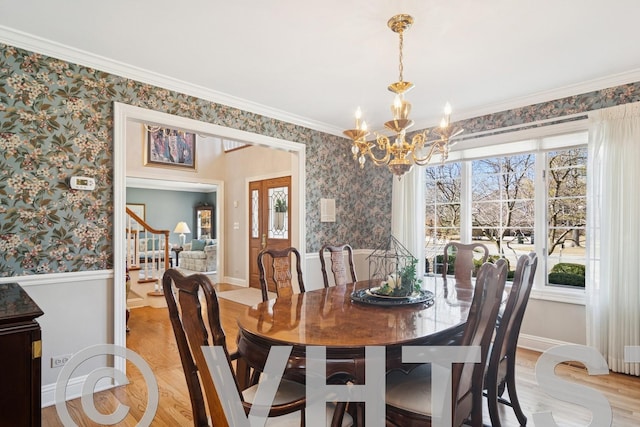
x=400, y=155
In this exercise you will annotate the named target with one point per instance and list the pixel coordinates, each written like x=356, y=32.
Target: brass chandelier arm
x=383, y=145
x=421, y=161
x=363, y=148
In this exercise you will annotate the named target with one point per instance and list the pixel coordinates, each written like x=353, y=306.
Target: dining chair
x=338, y=265
x=463, y=267
x=281, y=271
x=192, y=328
x=408, y=395
x=500, y=373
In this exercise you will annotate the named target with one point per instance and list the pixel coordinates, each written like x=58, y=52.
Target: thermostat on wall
x=82, y=183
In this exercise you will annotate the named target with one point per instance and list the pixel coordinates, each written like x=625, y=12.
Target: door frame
x=294, y=209
x=122, y=113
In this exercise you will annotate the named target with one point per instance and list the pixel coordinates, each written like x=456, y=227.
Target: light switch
x=236, y=226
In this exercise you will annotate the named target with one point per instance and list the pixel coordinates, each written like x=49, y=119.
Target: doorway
x=269, y=220
x=124, y=113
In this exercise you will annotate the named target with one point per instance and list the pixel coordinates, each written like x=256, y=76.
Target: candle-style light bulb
x=364, y=126
x=397, y=102
x=396, y=107
x=358, y=117
x=447, y=116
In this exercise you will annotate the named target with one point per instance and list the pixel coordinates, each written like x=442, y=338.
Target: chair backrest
x=338, y=265
x=483, y=313
x=191, y=332
x=506, y=340
x=463, y=265
x=281, y=271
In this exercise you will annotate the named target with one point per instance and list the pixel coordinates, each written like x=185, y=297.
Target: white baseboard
x=235, y=281
x=73, y=389
x=541, y=344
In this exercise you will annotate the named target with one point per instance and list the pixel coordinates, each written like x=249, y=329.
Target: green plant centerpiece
x=392, y=271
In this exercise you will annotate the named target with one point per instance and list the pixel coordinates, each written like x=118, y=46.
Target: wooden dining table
x=328, y=317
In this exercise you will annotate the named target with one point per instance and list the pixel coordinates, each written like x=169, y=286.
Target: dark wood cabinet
x=20, y=358
x=205, y=228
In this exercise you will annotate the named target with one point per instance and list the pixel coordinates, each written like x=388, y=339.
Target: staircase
x=147, y=254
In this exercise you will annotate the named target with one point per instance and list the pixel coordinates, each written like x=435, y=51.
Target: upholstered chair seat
x=412, y=391
x=291, y=391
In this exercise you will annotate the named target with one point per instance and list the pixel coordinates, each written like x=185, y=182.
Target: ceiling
x=313, y=63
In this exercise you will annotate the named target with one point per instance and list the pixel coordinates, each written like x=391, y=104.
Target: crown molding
x=613, y=80
x=53, y=49
x=164, y=184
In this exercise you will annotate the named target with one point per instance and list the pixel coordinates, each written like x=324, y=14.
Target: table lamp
x=182, y=228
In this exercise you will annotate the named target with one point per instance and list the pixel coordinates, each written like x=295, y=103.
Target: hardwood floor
x=152, y=338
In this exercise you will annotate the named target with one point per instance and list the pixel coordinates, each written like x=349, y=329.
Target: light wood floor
x=152, y=338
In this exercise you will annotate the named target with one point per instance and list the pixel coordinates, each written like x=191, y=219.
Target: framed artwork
x=170, y=147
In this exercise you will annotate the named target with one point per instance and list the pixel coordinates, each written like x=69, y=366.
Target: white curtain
x=613, y=288
x=407, y=213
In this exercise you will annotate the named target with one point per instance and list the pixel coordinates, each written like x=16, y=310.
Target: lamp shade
x=182, y=228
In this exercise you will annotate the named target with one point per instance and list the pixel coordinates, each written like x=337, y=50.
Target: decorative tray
x=368, y=296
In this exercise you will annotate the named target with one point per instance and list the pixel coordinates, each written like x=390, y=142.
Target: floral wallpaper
x=571, y=105
x=56, y=122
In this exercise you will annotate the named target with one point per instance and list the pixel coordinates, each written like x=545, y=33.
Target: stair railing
x=147, y=249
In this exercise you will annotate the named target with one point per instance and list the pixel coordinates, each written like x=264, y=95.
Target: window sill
x=567, y=296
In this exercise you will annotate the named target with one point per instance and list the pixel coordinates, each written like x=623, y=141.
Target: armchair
x=200, y=255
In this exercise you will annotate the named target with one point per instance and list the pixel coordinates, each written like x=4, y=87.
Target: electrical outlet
x=58, y=361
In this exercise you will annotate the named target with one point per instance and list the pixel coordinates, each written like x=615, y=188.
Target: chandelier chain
x=401, y=67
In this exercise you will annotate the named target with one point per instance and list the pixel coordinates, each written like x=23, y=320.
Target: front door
x=270, y=220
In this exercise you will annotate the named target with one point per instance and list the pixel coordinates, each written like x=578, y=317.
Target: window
x=531, y=197
x=566, y=176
